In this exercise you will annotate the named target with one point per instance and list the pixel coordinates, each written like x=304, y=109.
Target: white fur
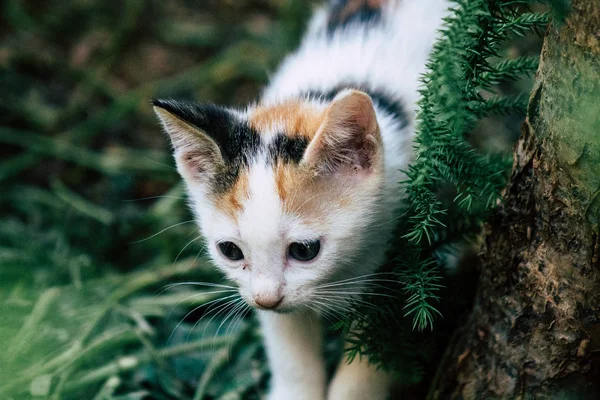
x=389, y=56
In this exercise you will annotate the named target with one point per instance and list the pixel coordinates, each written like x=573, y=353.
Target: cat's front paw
x=297, y=392
x=358, y=392
x=359, y=381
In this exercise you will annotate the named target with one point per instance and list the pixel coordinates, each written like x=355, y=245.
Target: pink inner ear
x=198, y=156
x=349, y=137
x=366, y=118
x=197, y=162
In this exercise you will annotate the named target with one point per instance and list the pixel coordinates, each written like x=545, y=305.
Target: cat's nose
x=268, y=301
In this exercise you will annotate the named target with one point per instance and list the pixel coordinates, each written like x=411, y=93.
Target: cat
x=296, y=195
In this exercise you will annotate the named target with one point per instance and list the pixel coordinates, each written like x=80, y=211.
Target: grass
x=93, y=220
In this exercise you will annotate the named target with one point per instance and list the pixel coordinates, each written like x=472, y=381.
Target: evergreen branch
x=510, y=70
x=452, y=101
x=502, y=105
x=426, y=211
x=421, y=288
x=450, y=105
x=523, y=24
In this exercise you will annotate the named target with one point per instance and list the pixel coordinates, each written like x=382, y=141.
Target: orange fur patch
x=295, y=117
x=300, y=187
x=303, y=193
x=303, y=189
x=290, y=180
x=230, y=203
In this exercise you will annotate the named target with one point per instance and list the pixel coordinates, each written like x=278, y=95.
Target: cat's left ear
x=200, y=134
x=348, y=140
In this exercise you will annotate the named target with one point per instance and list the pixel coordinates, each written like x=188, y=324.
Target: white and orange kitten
x=295, y=195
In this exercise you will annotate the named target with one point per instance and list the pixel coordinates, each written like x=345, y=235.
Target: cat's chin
x=281, y=309
x=278, y=310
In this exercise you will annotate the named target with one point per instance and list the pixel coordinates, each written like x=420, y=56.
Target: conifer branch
x=454, y=96
x=451, y=104
x=502, y=105
x=510, y=70
x=522, y=25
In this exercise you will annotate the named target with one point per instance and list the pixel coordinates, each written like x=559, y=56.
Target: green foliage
x=94, y=228
x=455, y=96
x=421, y=286
x=465, y=69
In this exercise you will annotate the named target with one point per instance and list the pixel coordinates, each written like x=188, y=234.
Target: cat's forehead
x=272, y=179
x=292, y=118
x=273, y=183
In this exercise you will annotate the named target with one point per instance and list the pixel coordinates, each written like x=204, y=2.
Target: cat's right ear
x=194, y=130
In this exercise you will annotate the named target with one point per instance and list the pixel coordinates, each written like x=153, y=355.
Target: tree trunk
x=534, y=331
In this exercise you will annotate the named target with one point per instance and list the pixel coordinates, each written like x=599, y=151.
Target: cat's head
x=283, y=193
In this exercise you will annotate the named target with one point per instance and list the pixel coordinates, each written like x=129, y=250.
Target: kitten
x=296, y=194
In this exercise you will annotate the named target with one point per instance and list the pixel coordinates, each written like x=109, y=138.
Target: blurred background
x=93, y=222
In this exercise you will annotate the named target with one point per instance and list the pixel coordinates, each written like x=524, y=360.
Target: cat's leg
x=359, y=380
x=294, y=348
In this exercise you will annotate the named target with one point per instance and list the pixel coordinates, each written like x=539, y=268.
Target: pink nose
x=268, y=301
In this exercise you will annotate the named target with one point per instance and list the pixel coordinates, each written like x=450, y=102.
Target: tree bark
x=534, y=331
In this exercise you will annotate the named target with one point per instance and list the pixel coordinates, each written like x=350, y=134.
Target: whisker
x=206, y=284
x=242, y=309
x=362, y=277
x=239, y=303
x=166, y=229
x=233, y=315
x=368, y=277
x=352, y=301
x=190, y=313
x=391, y=221
x=321, y=312
x=222, y=308
x=359, y=280
x=247, y=309
x=153, y=197
x=358, y=284
x=231, y=312
x=198, y=295
x=185, y=247
x=331, y=310
x=236, y=318
x=152, y=160
x=195, y=258
x=342, y=305
x=339, y=292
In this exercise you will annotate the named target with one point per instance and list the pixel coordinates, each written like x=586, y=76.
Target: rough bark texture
x=534, y=331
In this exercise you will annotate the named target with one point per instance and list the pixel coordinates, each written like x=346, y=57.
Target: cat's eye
x=230, y=251
x=304, y=251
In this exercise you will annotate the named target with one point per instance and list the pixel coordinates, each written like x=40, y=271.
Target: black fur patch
x=380, y=99
x=346, y=12
x=237, y=141
x=287, y=149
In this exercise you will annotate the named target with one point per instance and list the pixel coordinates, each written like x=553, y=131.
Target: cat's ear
x=195, y=131
x=349, y=138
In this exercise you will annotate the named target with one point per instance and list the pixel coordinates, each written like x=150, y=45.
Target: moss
x=570, y=113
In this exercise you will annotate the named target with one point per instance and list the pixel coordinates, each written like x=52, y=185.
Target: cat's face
x=282, y=193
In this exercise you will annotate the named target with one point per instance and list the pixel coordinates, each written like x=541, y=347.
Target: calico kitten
x=295, y=195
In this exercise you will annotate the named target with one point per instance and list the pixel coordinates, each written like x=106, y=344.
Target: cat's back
x=379, y=45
